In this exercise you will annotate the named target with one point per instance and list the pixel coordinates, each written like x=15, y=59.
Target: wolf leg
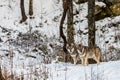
x=85, y=62
x=82, y=61
x=97, y=60
x=75, y=60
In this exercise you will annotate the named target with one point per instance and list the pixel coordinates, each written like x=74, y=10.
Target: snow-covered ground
x=103, y=71
x=18, y=56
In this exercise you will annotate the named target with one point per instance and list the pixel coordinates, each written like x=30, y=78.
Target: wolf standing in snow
x=73, y=52
x=84, y=53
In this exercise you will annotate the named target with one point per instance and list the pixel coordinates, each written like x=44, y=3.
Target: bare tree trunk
x=91, y=25
x=70, y=27
x=91, y=22
x=30, y=7
x=24, y=17
x=65, y=7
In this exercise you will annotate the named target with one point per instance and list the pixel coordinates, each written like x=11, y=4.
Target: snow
x=47, y=15
x=101, y=4
x=103, y=71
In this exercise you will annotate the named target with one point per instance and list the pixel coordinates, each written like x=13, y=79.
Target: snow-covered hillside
x=24, y=52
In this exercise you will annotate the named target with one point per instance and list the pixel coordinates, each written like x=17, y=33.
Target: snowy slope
x=18, y=57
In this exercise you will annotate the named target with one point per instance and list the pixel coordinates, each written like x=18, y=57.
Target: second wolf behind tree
x=84, y=53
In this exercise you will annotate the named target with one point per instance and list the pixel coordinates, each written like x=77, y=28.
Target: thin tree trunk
x=30, y=7
x=24, y=17
x=91, y=23
x=65, y=7
x=70, y=27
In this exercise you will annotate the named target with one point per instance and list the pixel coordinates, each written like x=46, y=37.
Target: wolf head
x=71, y=49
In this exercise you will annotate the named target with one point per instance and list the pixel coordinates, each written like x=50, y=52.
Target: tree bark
x=30, y=7
x=24, y=17
x=70, y=27
x=65, y=9
x=91, y=23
